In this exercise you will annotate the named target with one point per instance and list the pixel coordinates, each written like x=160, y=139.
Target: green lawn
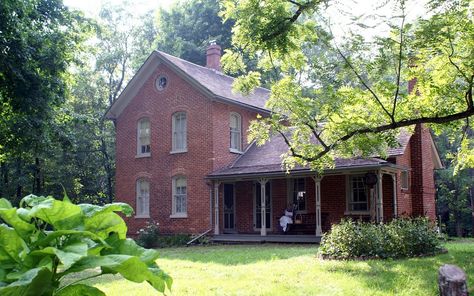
x=293, y=270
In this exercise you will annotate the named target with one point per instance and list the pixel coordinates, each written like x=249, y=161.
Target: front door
x=258, y=206
x=229, y=208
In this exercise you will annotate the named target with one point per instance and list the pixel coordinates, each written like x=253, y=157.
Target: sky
x=91, y=7
x=340, y=25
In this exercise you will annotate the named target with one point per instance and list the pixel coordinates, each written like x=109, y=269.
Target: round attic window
x=161, y=83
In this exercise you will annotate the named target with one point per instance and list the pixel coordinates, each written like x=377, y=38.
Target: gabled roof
x=210, y=82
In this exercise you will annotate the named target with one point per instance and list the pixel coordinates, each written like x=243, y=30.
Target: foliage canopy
x=350, y=94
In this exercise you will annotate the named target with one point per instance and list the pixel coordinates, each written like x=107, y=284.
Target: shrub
x=398, y=238
x=148, y=236
x=46, y=239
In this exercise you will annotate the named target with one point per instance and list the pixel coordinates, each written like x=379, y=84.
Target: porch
x=271, y=238
x=368, y=194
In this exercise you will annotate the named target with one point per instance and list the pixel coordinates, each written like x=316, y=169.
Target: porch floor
x=271, y=238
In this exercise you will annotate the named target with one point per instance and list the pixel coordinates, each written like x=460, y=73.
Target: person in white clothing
x=287, y=218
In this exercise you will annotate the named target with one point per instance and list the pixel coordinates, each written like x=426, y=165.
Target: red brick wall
x=221, y=132
x=333, y=197
x=404, y=200
x=161, y=166
x=422, y=177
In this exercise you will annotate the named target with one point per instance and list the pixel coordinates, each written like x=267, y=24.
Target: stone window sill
x=179, y=216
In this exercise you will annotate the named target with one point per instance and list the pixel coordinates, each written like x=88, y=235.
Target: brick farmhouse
x=184, y=162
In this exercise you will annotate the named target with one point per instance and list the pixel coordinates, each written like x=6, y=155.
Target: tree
x=361, y=107
x=37, y=43
x=185, y=30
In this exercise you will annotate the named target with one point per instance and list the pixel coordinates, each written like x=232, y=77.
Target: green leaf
x=130, y=267
x=5, y=204
x=59, y=214
x=67, y=256
x=91, y=210
x=10, y=216
x=12, y=247
x=129, y=247
x=80, y=290
x=33, y=282
x=32, y=200
x=104, y=223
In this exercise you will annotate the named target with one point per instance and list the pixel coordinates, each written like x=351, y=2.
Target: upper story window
x=179, y=132
x=161, y=82
x=179, y=203
x=235, y=132
x=404, y=180
x=298, y=193
x=143, y=137
x=143, y=199
x=358, y=195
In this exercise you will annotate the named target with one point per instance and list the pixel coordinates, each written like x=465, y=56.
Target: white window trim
x=139, y=146
x=407, y=180
x=174, y=214
x=239, y=121
x=175, y=150
x=137, y=193
x=349, y=198
x=290, y=189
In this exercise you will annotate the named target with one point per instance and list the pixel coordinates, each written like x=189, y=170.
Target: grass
x=292, y=270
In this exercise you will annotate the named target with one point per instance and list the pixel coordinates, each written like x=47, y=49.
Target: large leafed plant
x=45, y=240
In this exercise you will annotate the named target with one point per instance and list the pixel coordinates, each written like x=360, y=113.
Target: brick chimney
x=213, y=56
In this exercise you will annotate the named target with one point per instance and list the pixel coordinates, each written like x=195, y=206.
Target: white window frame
x=142, y=207
x=140, y=142
x=235, y=147
x=175, y=195
x=404, y=180
x=350, y=196
x=292, y=191
x=177, y=133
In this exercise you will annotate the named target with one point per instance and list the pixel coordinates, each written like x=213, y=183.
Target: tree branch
x=369, y=130
x=399, y=70
x=346, y=60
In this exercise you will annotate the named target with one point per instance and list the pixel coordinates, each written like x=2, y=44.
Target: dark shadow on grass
x=238, y=254
x=386, y=275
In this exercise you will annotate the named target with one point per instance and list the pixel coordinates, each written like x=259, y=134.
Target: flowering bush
x=398, y=238
x=148, y=236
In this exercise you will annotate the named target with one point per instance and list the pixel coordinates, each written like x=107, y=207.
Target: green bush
x=45, y=240
x=149, y=237
x=398, y=238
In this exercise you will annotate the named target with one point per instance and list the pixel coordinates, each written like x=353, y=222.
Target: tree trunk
x=37, y=179
x=452, y=281
x=3, y=178
x=106, y=163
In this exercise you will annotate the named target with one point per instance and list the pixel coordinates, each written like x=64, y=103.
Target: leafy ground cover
x=293, y=270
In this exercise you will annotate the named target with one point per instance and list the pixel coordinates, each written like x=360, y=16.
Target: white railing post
x=317, y=191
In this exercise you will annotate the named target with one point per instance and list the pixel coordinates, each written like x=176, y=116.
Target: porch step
x=255, y=238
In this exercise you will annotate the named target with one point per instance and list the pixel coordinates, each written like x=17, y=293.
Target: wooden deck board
x=255, y=238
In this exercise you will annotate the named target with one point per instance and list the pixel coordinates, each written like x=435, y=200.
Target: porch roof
x=266, y=161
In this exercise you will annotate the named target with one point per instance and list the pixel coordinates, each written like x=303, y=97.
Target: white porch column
x=216, y=207
x=263, y=229
x=379, y=210
x=317, y=188
x=395, y=206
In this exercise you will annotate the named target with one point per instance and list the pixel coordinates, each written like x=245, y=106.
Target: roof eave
x=303, y=172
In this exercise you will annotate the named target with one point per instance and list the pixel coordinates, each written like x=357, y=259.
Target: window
x=404, y=179
x=179, y=197
x=179, y=132
x=358, y=199
x=161, y=83
x=143, y=199
x=298, y=193
x=143, y=137
x=235, y=132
